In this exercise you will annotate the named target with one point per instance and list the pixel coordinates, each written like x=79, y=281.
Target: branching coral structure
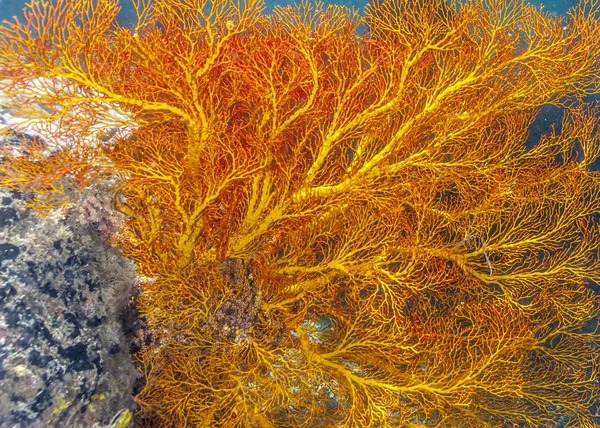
x=341, y=219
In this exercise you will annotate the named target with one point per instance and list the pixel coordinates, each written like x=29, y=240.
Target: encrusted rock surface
x=64, y=358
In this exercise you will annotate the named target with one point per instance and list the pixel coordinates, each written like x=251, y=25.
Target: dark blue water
x=10, y=8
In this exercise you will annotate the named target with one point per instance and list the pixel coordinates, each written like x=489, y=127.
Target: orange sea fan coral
x=342, y=220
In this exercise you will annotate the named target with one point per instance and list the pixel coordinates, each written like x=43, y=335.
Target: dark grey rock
x=64, y=359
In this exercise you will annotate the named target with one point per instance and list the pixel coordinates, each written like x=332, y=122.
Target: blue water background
x=10, y=8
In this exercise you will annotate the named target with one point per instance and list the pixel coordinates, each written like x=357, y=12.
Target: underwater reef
x=337, y=219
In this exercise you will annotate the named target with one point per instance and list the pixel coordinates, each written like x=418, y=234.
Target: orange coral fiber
x=343, y=218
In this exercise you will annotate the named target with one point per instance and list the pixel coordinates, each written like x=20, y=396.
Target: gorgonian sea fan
x=338, y=217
